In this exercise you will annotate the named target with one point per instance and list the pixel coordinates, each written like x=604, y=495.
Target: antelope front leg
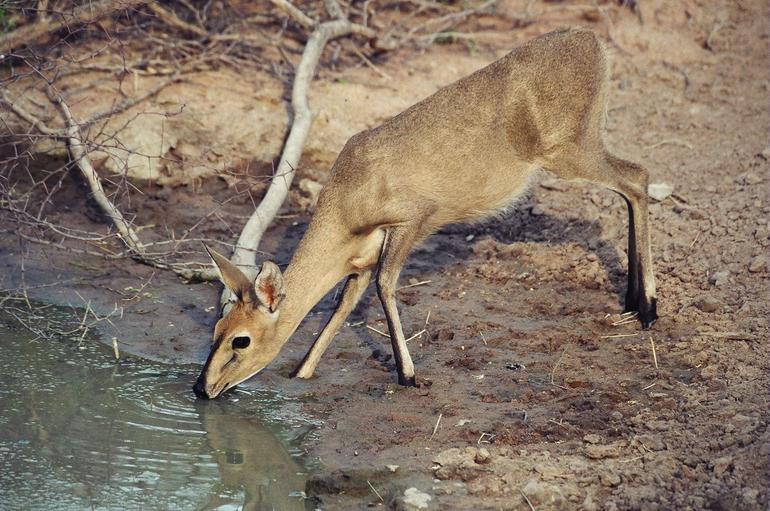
x=398, y=243
x=351, y=294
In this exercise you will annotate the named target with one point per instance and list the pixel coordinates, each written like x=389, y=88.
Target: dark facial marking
x=241, y=342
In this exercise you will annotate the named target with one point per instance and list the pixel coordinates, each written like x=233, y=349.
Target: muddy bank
x=531, y=393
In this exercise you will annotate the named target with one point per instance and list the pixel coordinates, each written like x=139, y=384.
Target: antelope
x=464, y=153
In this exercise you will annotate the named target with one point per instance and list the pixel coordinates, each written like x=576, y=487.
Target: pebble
x=748, y=178
x=659, y=191
x=414, y=499
x=758, y=264
x=600, y=452
x=592, y=438
x=609, y=478
x=482, y=456
x=708, y=304
x=719, y=277
x=722, y=465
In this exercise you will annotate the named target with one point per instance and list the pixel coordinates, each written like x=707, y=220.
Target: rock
x=659, y=191
x=609, y=478
x=708, y=304
x=543, y=495
x=589, y=504
x=599, y=452
x=652, y=442
x=592, y=438
x=758, y=264
x=722, y=465
x=750, y=496
x=458, y=463
x=482, y=456
x=718, y=278
x=392, y=468
x=413, y=499
x=748, y=178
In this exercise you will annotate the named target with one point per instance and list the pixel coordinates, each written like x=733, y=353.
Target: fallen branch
x=251, y=235
x=74, y=141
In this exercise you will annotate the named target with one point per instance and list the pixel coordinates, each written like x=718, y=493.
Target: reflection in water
x=78, y=431
x=250, y=458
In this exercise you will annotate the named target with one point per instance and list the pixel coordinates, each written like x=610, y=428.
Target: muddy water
x=80, y=430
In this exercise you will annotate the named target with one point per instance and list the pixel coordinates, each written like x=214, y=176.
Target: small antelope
x=464, y=153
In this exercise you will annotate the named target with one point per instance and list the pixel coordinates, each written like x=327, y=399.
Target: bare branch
x=86, y=13
x=251, y=235
x=297, y=15
x=79, y=155
x=13, y=106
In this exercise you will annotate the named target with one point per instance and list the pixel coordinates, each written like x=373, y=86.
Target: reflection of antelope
x=251, y=458
x=464, y=153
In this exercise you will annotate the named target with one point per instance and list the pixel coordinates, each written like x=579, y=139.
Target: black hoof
x=648, y=313
x=407, y=381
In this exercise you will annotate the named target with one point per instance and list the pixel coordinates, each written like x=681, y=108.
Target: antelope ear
x=269, y=286
x=233, y=278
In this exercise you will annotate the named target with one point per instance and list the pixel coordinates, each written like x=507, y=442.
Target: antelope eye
x=241, y=342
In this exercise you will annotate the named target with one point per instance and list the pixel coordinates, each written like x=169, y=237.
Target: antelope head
x=245, y=338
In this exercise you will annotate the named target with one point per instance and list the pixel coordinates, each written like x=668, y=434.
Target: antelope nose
x=200, y=388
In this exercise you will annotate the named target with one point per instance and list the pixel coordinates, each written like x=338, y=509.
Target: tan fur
x=465, y=152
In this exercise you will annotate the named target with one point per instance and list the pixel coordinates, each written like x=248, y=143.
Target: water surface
x=80, y=430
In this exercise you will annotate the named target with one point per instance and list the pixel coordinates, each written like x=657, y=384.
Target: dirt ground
x=531, y=397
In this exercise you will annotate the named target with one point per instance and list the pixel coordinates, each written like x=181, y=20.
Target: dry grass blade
x=556, y=366
x=526, y=499
x=378, y=331
x=421, y=283
x=654, y=353
x=416, y=335
x=435, y=428
x=375, y=491
x=616, y=336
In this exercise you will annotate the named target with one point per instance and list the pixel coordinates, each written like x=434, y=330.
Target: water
x=79, y=430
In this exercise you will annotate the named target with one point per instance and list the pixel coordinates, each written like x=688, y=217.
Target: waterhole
x=82, y=430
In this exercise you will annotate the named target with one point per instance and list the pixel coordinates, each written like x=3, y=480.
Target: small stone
x=719, y=277
x=415, y=499
x=659, y=191
x=589, y=504
x=758, y=264
x=708, y=304
x=765, y=154
x=537, y=211
x=608, y=478
x=722, y=465
x=483, y=456
x=592, y=438
x=750, y=496
x=599, y=452
x=392, y=468
x=652, y=442
x=748, y=178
